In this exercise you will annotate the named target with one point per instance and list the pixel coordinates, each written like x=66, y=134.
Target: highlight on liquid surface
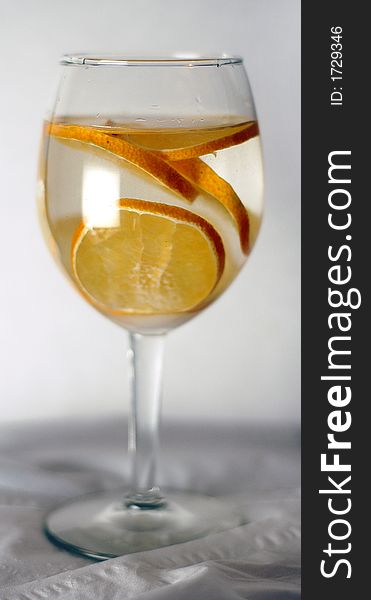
x=151, y=224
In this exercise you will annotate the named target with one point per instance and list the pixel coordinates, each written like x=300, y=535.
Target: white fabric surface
x=41, y=465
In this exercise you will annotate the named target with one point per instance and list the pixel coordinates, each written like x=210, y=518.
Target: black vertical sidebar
x=336, y=119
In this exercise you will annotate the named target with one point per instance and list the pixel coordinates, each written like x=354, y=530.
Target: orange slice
x=161, y=259
x=147, y=161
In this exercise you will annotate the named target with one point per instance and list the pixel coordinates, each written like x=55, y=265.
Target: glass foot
x=101, y=526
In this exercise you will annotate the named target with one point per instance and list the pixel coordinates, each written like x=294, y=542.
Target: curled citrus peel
x=199, y=173
x=145, y=160
x=160, y=259
x=250, y=131
x=181, y=170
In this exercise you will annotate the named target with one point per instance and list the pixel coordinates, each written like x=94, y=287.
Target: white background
x=58, y=357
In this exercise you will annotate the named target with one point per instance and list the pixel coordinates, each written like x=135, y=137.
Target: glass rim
x=194, y=60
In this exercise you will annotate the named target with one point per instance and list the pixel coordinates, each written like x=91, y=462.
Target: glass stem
x=146, y=358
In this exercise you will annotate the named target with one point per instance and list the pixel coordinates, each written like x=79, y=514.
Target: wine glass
x=150, y=200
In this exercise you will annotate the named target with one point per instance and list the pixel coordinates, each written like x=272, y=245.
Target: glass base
x=101, y=526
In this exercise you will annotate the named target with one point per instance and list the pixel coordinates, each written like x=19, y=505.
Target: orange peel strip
x=227, y=141
x=147, y=161
x=205, y=178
